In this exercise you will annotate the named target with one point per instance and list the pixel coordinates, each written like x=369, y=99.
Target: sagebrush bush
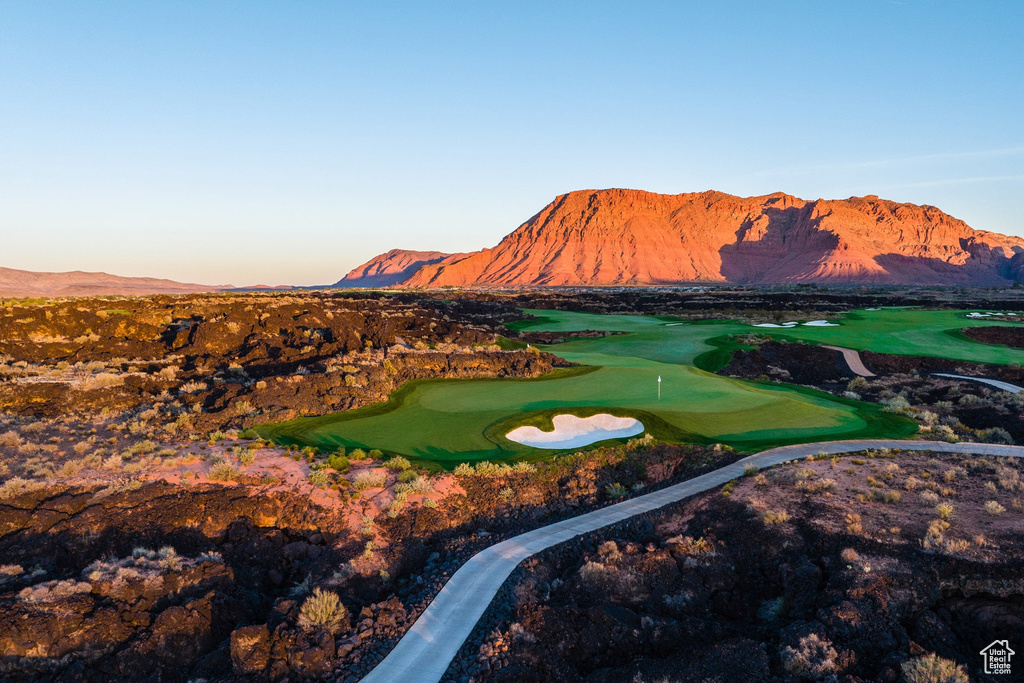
x=994, y=508
x=814, y=657
x=397, y=463
x=368, y=479
x=322, y=610
x=933, y=669
x=222, y=471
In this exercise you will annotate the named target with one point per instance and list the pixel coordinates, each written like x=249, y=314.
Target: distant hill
x=25, y=283
x=392, y=268
x=632, y=237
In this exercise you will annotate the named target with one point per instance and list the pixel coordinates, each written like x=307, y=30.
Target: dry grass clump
x=16, y=486
x=368, y=479
x=934, y=538
x=322, y=610
x=53, y=590
x=222, y=471
x=849, y=555
x=102, y=380
x=944, y=511
x=191, y=387
x=994, y=508
x=815, y=486
x=771, y=517
x=10, y=439
x=854, y=524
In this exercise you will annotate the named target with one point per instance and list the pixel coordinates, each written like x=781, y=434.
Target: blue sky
x=286, y=142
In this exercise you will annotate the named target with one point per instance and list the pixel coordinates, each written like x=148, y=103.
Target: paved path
x=853, y=360
x=423, y=655
x=1005, y=386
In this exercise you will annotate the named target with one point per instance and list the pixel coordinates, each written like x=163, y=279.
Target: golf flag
x=659, y=387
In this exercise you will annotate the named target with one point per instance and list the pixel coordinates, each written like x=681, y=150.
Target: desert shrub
x=953, y=473
x=16, y=486
x=857, y=384
x=995, y=435
x=620, y=584
x=322, y=610
x=191, y=387
x=933, y=669
x=244, y=408
x=929, y=497
x=338, y=462
x=102, y=380
x=771, y=517
x=53, y=590
x=994, y=508
x=896, y=404
x=750, y=470
x=368, y=479
x=944, y=511
x=506, y=493
x=849, y=555
x=357, y=454
x=463, y=469
x=616, y=490
x=222, y=471
x=485, y=468
x=854, y=524
x=375, y=453
x=319, y=477
x=957, y=545
x=247, y=457
x=10, y=439
x=407, y=475
x=814, y=657
x=397, y=463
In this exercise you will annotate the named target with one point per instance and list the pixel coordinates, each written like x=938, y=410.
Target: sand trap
x=821, y=323
x=980, y=315
x=572, y=432
x=774, y=325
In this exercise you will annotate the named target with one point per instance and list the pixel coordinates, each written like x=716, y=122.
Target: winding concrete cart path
x=426, y=650
x=998, y=384
x=853, y=360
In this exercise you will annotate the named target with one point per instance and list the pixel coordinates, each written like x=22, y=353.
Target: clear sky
x=286, y=142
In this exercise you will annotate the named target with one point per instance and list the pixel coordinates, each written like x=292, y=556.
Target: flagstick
x=659, y=387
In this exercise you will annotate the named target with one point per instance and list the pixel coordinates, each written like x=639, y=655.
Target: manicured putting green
x=458, y=420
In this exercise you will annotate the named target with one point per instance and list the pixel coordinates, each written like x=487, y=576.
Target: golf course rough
x=456, y=420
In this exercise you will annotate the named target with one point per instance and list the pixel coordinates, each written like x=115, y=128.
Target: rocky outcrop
x=631, y=237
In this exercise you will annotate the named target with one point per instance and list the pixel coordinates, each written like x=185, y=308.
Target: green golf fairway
x=452, y=421
x=907, y=332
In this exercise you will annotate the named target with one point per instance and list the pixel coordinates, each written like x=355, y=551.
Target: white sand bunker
x=774, y=325
x=572, y=432
x=821, y=323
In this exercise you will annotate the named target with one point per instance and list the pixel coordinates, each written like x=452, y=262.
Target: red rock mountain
x=26, y=283
x=392, y=268
x=631, y=237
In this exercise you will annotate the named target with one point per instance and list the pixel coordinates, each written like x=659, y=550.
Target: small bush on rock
x=322, y=610
x=813, y=658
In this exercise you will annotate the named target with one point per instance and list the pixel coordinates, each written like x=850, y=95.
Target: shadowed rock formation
x=631, y=237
